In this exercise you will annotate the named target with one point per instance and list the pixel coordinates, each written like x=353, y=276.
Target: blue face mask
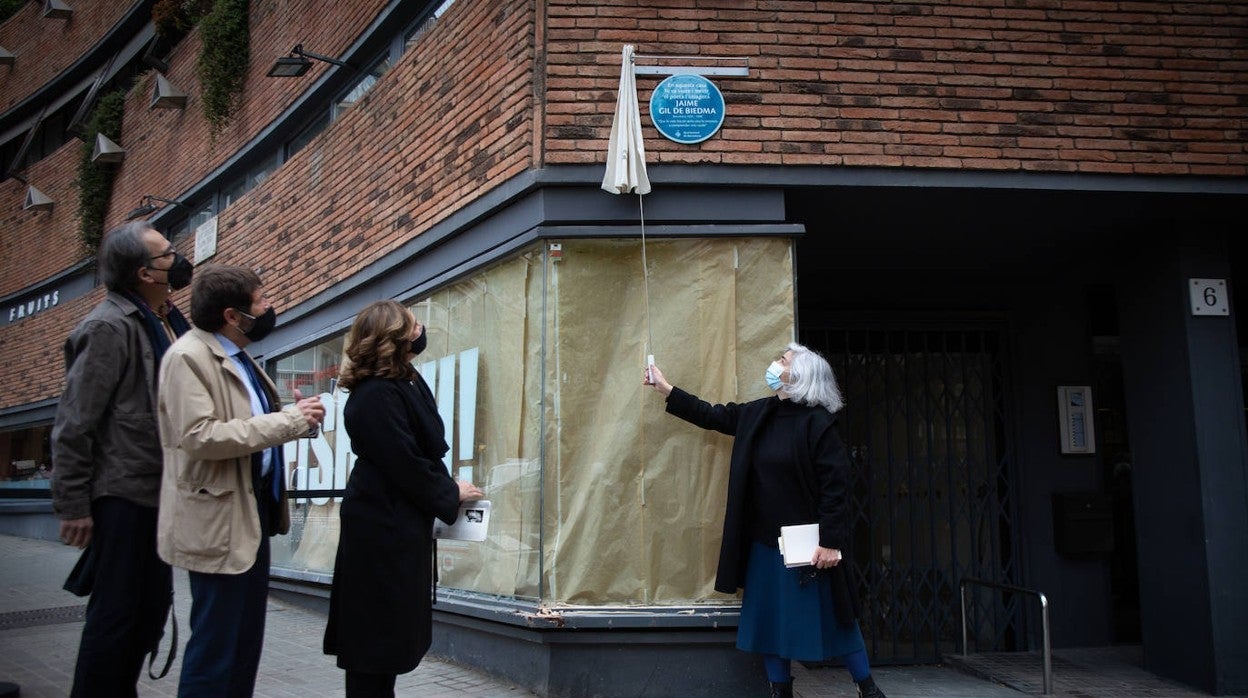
x=772, y=376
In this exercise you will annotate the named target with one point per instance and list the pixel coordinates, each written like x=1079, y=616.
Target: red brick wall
x=1108, y=87
x=37, y=244
x=1145, y=88
x=172, y=150
x=168, y=151
x=46, y=46
x=32, y=351
x=450, y=121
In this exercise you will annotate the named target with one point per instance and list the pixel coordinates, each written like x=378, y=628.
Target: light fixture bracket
x=289, y=67
x=298, y=63
x=146, y=206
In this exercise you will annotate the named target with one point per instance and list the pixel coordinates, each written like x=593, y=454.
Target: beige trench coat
x=208, y=520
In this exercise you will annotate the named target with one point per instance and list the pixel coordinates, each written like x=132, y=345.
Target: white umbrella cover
x=626, y=154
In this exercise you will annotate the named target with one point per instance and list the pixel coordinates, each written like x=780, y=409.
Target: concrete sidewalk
x=40, y=625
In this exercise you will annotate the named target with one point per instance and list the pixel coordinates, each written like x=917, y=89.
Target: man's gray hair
x=811, y=381
x=121, y=254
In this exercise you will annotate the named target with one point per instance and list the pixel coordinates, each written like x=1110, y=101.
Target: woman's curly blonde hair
x=377, y=344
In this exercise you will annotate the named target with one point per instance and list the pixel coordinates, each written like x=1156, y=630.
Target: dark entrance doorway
x=926, y=424
x=1117, y=464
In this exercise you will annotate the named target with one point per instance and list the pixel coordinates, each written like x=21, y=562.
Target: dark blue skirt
x=782, y=616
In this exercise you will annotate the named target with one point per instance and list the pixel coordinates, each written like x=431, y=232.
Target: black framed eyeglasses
x=150, y=259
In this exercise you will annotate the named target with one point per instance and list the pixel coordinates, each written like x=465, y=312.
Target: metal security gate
x=925, y=422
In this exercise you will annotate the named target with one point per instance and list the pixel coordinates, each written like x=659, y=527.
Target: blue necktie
x=255, y=379
x=258, y=386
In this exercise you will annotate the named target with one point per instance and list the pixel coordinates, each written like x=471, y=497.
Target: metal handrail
x=1044, y=616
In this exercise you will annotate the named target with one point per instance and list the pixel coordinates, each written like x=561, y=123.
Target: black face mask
x=418, y=345
x=179, y=273
x=261, y=325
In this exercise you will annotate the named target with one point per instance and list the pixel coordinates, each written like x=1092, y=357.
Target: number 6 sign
x=1208, y=297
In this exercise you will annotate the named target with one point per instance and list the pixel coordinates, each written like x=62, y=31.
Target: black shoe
x=782, y=690
x=868, y=689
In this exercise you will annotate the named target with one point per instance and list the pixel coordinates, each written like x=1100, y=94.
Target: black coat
x=380, y=606
x=823, y=466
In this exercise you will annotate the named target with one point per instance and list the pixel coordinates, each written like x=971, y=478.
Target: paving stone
x=40, y=643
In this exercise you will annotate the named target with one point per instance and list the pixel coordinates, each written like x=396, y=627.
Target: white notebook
x=798, y=543
x=472, y=524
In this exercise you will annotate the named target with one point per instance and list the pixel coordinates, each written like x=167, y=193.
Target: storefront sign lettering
x=33, y=305
x=325, y=461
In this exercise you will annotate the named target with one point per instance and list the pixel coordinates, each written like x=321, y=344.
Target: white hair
x=811, y=381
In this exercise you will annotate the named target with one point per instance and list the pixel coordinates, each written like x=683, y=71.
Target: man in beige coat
x=222, y=494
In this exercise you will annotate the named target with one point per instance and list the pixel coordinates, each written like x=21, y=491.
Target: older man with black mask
x=107, y=460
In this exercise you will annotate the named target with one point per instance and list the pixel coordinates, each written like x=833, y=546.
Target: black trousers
x=129, y=602
x=362, y=685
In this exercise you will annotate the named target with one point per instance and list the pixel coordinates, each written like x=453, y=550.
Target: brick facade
x=172, y=150
x=46, y=46
x=452, y=120
x=32, y=351
x=1087, y=87
x=446, y=124
x=168, y=151
x=1100, y=87
x=35, y=245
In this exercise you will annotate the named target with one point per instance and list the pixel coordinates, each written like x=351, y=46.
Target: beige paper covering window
x=633, y=497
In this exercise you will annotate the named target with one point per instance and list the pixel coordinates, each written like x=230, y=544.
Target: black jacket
x=380, y=608
x=823, y=465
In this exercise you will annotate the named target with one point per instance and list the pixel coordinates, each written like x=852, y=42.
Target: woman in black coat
x=788, y=467
x=380, y=605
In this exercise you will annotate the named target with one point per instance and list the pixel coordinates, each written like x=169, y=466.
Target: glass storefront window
x=321, y=463
x=599, y=498
x=480, y=332
x=634, y=497
x=26, y=458
x=483, y=364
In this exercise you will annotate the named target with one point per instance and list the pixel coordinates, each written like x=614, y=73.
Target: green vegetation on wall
x=174, y=18
x=95, y=182
x=223, y=60
x=8, y=8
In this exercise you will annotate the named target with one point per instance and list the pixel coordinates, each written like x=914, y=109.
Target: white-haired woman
x=788, y=466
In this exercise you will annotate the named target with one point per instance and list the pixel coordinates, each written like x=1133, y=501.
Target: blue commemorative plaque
x=687, y=108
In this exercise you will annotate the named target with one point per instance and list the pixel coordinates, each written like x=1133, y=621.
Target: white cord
x=645, y=275
x=645, y=272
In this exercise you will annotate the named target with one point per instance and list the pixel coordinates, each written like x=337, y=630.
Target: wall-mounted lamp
x=6, y=56
x=166, y=96
x=57, y=9
x=36, y=200
x=297, y=63
x=146, y=206
x=106, y=150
